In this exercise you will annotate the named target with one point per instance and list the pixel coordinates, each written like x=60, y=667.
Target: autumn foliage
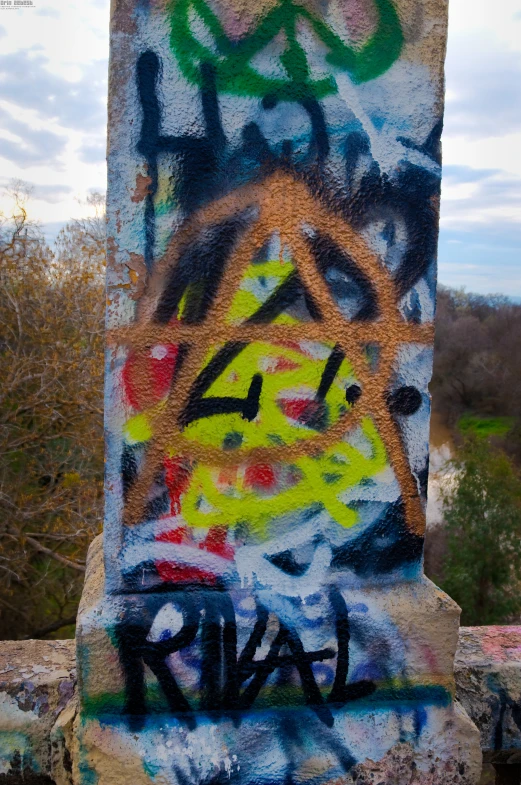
x=51, y=418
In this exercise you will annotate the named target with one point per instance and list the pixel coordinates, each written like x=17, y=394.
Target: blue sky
x=53, y=84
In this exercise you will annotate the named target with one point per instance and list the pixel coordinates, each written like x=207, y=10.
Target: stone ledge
x=38, y=703
x=488, y=684
x=37, y=684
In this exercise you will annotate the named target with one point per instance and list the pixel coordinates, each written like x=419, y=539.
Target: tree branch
x=63, y=559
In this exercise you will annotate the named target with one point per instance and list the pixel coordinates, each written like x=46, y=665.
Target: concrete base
x=382, y=746
x=151, y=710
x=488, y=674
x=37, y=684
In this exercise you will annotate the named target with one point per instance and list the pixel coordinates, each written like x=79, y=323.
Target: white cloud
x=52, y=112
x=497, y=21
x=53, y=89
x=27, y=82
x=480, y=237
x=71, y=35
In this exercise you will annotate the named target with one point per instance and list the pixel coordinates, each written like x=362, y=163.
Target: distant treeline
x=475, y=556
x=476, y=383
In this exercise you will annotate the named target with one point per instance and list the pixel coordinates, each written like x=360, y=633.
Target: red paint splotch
x=147, y=374
x=215, y=542
x=260, y=475
x=177, y=479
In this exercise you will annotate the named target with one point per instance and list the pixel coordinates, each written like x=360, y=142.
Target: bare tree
x=51, y=454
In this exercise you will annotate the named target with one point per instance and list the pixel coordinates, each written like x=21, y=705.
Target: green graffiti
x=232, y=60
x=410, y=692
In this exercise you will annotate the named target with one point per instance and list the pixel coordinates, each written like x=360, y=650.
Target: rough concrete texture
x=488, y=677
x=487, y=671
x=404, y=732
x=274, y=179
x=37, y=683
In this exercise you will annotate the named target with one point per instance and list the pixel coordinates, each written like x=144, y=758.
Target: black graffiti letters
x=199, y=407
x=229, y=682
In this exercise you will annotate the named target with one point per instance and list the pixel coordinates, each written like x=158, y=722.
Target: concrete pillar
x=274, y=180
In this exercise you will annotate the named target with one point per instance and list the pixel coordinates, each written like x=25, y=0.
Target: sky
x=53, y=90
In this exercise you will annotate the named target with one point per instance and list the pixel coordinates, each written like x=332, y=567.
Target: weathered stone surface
x=274, y=177
x=42, y=739
x=37, y=683
x=64, y=744
x=167, y=752
x=394, y=736
x=488, y=679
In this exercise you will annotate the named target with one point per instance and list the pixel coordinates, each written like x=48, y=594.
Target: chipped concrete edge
x=37, y=693
x=39, y=709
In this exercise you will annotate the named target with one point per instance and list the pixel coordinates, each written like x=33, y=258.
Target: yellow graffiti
x=268, y=275
x=287, y=374
x=320, y=480
x=280, y=382
x=277, y=434
x=138, y=429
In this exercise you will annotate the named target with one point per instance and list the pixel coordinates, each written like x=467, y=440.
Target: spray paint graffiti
x=181, y=317
x=223, y=674
x=262, y=370
x=275, y=176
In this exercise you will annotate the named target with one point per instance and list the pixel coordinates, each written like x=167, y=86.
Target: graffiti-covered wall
x=274, y=177
x=274, y=182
